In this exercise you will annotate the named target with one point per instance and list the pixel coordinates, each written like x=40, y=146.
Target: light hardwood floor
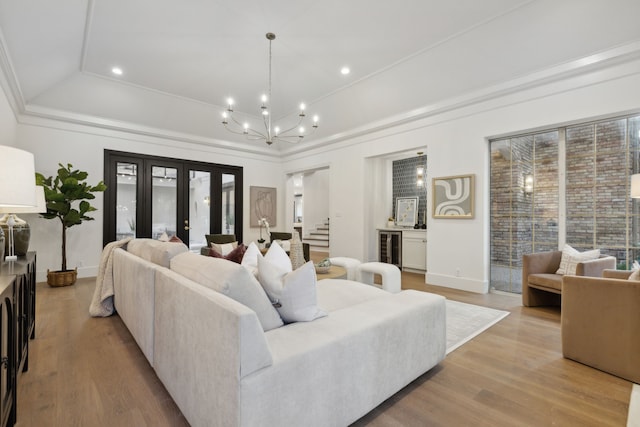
x=90, y=372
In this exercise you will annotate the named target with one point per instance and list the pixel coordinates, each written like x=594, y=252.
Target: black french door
x=148, y=196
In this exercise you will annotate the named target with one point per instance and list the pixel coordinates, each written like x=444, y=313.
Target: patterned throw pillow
x=235, y=255
x=571, y=257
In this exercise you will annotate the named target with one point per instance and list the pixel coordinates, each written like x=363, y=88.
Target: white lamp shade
x=17, y=177
x=41, y=204
x=635, y=186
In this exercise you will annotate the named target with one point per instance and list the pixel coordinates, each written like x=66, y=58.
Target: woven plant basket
x=62, y=278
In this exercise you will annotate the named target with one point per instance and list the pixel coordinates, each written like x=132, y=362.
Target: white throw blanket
x=102, y=301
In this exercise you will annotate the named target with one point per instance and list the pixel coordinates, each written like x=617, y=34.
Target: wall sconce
x=420, y=174
x=528, y=184
x=635, y=186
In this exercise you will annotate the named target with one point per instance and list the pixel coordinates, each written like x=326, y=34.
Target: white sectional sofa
x=222, y=369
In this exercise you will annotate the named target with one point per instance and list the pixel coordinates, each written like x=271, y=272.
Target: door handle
x=186, y=228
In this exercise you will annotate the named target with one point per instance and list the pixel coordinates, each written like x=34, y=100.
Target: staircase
x=318, y=239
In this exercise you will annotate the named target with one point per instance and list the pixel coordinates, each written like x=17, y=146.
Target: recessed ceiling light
x=117, y=71
x=345, y=70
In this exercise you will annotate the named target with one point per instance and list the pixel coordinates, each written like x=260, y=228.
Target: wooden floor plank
x=90, y=372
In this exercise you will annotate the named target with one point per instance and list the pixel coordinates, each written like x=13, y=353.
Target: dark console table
x=7, y=352
x=17, y=327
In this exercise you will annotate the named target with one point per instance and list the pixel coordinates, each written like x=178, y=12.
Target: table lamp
x=17, y=186
x=21, y=232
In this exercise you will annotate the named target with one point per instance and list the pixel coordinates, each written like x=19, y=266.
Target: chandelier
x=270, y=133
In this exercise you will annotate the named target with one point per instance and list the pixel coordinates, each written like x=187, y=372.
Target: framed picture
x=262, y=202
x=406, y=211
x=453, y=197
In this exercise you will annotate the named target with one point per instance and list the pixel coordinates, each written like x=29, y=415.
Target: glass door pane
x=228, y=203
x=127, y=183
x=164, y=201
x=199, y=208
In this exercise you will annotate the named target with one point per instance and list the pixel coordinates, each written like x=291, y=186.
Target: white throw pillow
x=250, y=258
x=293, y=293
x=224, y=248
x=164, y=237
x=571, y=257
x=276, y=255
x=635, y=275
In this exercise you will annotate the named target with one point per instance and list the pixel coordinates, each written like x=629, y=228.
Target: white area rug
x=465, y=321
x=633, y=419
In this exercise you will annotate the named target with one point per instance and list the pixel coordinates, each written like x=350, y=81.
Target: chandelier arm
x=232, y=130
x=267, y=125
x=290, y=139
x=243, y=131
x=284, y=132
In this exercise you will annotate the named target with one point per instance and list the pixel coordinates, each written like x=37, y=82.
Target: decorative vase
x=21, y=235
x=295, y=252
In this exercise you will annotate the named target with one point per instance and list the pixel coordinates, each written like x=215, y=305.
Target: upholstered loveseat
x=225, y=365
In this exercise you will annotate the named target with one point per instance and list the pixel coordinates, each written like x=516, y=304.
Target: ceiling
x=181, y=60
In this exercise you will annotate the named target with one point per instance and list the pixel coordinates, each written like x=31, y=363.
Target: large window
x=524, y=203
x=563, y=185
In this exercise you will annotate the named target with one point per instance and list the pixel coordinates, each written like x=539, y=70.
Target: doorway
x=149, y=196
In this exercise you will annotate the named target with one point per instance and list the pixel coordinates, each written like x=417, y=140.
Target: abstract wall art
x=262, y=202
x=453, y=197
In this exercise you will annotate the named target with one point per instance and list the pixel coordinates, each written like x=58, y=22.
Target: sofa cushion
x=336, y=294
x=293, y=293
x=571, y=257
x=551, y=281
x=229, y=279
x=156, y=251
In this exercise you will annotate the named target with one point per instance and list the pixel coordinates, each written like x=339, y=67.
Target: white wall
x=456, y=143
x=83, y=147
x=8, y=124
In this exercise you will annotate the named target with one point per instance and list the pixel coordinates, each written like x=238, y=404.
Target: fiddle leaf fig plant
x=66, y=195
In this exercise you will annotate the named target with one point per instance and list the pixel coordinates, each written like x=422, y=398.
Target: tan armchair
x=601, y=323
x=540, y=283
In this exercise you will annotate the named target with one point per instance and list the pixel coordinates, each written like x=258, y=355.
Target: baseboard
x=461, y=283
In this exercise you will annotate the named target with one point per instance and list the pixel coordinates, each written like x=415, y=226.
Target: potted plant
x=66, y=195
